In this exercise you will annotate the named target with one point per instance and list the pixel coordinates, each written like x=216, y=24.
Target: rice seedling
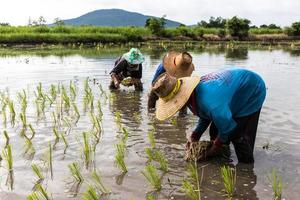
x=78, y=178
x=192, y=188
x=120, y=155
x=150, y=153
x=149, y=197
x=66, y=99
x=23, y=120
x=53, y=92
x=100, y=113
x=39, y=194
x=98, y=182
x=72, y=90
x=7, y=156
x=151, y=139
x=4, y=105
x=65, y=142
x=174, y=121
x=137, y=117
x=51, y=101
x=12, y=112
x=90, y=194
x=56, y=134
x=101, y=89
x=54, y=119
x=152, y=176
x=86, y=149
x=48, y=160
x=276, y=183
x=160, y=158
x=125, y=134
x=229, y=180
x=67, y=123
x=28, y=148
x=37, y=171
x=118, y=117
x=6, y=138
x=76, y=111
x=32, y=131
x=39, y=91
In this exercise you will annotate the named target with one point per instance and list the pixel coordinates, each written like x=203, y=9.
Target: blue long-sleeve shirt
x=224, y=95
x=160, y=69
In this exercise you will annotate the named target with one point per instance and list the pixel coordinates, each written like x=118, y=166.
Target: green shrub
x=238, y=27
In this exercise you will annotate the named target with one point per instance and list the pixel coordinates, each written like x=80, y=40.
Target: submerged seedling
x=229, y=180
x=276, y=183
x=78, y=178
x=7, y=156
x=86, y=149
x=152, y=176
x=37, y=171
x=65, y=142
x=98, y=183
x=120, y=156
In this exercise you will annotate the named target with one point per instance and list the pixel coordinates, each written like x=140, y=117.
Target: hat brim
x=174, y=70
x=141, y=59
x=166, y=109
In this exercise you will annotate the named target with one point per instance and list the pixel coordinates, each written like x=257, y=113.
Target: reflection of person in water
x=128, y=104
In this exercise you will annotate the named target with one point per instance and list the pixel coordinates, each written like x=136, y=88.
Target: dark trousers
x=242, y=137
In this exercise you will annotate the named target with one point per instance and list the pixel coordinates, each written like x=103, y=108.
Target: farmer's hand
x=115, y=80
x=194, y=137
x=214, y=149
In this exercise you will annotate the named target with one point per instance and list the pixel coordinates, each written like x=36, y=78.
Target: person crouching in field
x=176, y=64
x=128, y=70
x=229, y=101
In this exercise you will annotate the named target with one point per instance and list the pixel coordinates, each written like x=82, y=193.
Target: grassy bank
x=92, y=34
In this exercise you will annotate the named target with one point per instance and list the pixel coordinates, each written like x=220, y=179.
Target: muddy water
x=279, y=127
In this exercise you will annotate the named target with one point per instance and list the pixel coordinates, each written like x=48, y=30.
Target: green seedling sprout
x=54, y=119
x=4, y=105
x=32, y=131
x=118, y=117
x=119, y=157
x=37, y=171
x=87, y=150
x=160, y=158
x=276, y=183
x=53, y=92
x=23, y=120
x=152, y=176
x=7, y=156
x=99, y=109
x=39, y=194
x=75, y=172
x=72, y=90
x=6, y=138
x=29, y=149
x=65, y=142
x=150, y=153
x=76, y=111
x=151, y=139
x=98, y=182
x=39, y=91
x=229, y=180
x=66, y=99
x=90, y=194
x=68, y=123
x=56, y=134
x=125, y=133
x=47, y=158
x=12, y=112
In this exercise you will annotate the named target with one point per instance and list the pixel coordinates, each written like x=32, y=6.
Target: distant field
x=94, y=34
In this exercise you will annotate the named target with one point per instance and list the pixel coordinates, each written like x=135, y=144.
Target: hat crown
x=134, y=56
x=184, y=60
x=164, y=85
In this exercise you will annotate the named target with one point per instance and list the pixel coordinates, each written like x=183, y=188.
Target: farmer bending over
x=128, y=68
x=228, y=101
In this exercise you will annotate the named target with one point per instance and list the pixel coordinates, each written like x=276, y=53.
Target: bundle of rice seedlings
x=152, y=176
x=120, y=155
x=86, y=149
x=229, y=180
x=99, y=184
x=276, y=183
x=7, y=156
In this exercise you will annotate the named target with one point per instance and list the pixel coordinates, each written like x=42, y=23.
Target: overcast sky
x=281, y=12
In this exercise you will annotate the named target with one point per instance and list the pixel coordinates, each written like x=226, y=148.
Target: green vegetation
x=238, y=27
x=152, y=176
x=120, y=156
x=276, y=183
x=229, y=179
x=7, y=156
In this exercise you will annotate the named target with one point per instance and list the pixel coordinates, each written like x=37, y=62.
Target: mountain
x=114, y=17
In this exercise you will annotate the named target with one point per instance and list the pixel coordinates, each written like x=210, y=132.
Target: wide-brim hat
x=178, y=64
x=134, y=56
x=179, y=92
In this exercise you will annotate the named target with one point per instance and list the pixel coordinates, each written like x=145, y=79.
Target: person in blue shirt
x=176, y=64
x=228, y=101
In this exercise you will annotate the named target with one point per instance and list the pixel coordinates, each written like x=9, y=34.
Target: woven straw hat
x=173, y=94
x=178, y=64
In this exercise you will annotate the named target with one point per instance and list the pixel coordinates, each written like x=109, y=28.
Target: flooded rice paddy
x=82, y=80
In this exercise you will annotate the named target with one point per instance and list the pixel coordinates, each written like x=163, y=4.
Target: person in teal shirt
x=228, y=101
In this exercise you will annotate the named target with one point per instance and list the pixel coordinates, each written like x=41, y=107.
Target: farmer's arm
x=199, y=130
x=119, y=66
